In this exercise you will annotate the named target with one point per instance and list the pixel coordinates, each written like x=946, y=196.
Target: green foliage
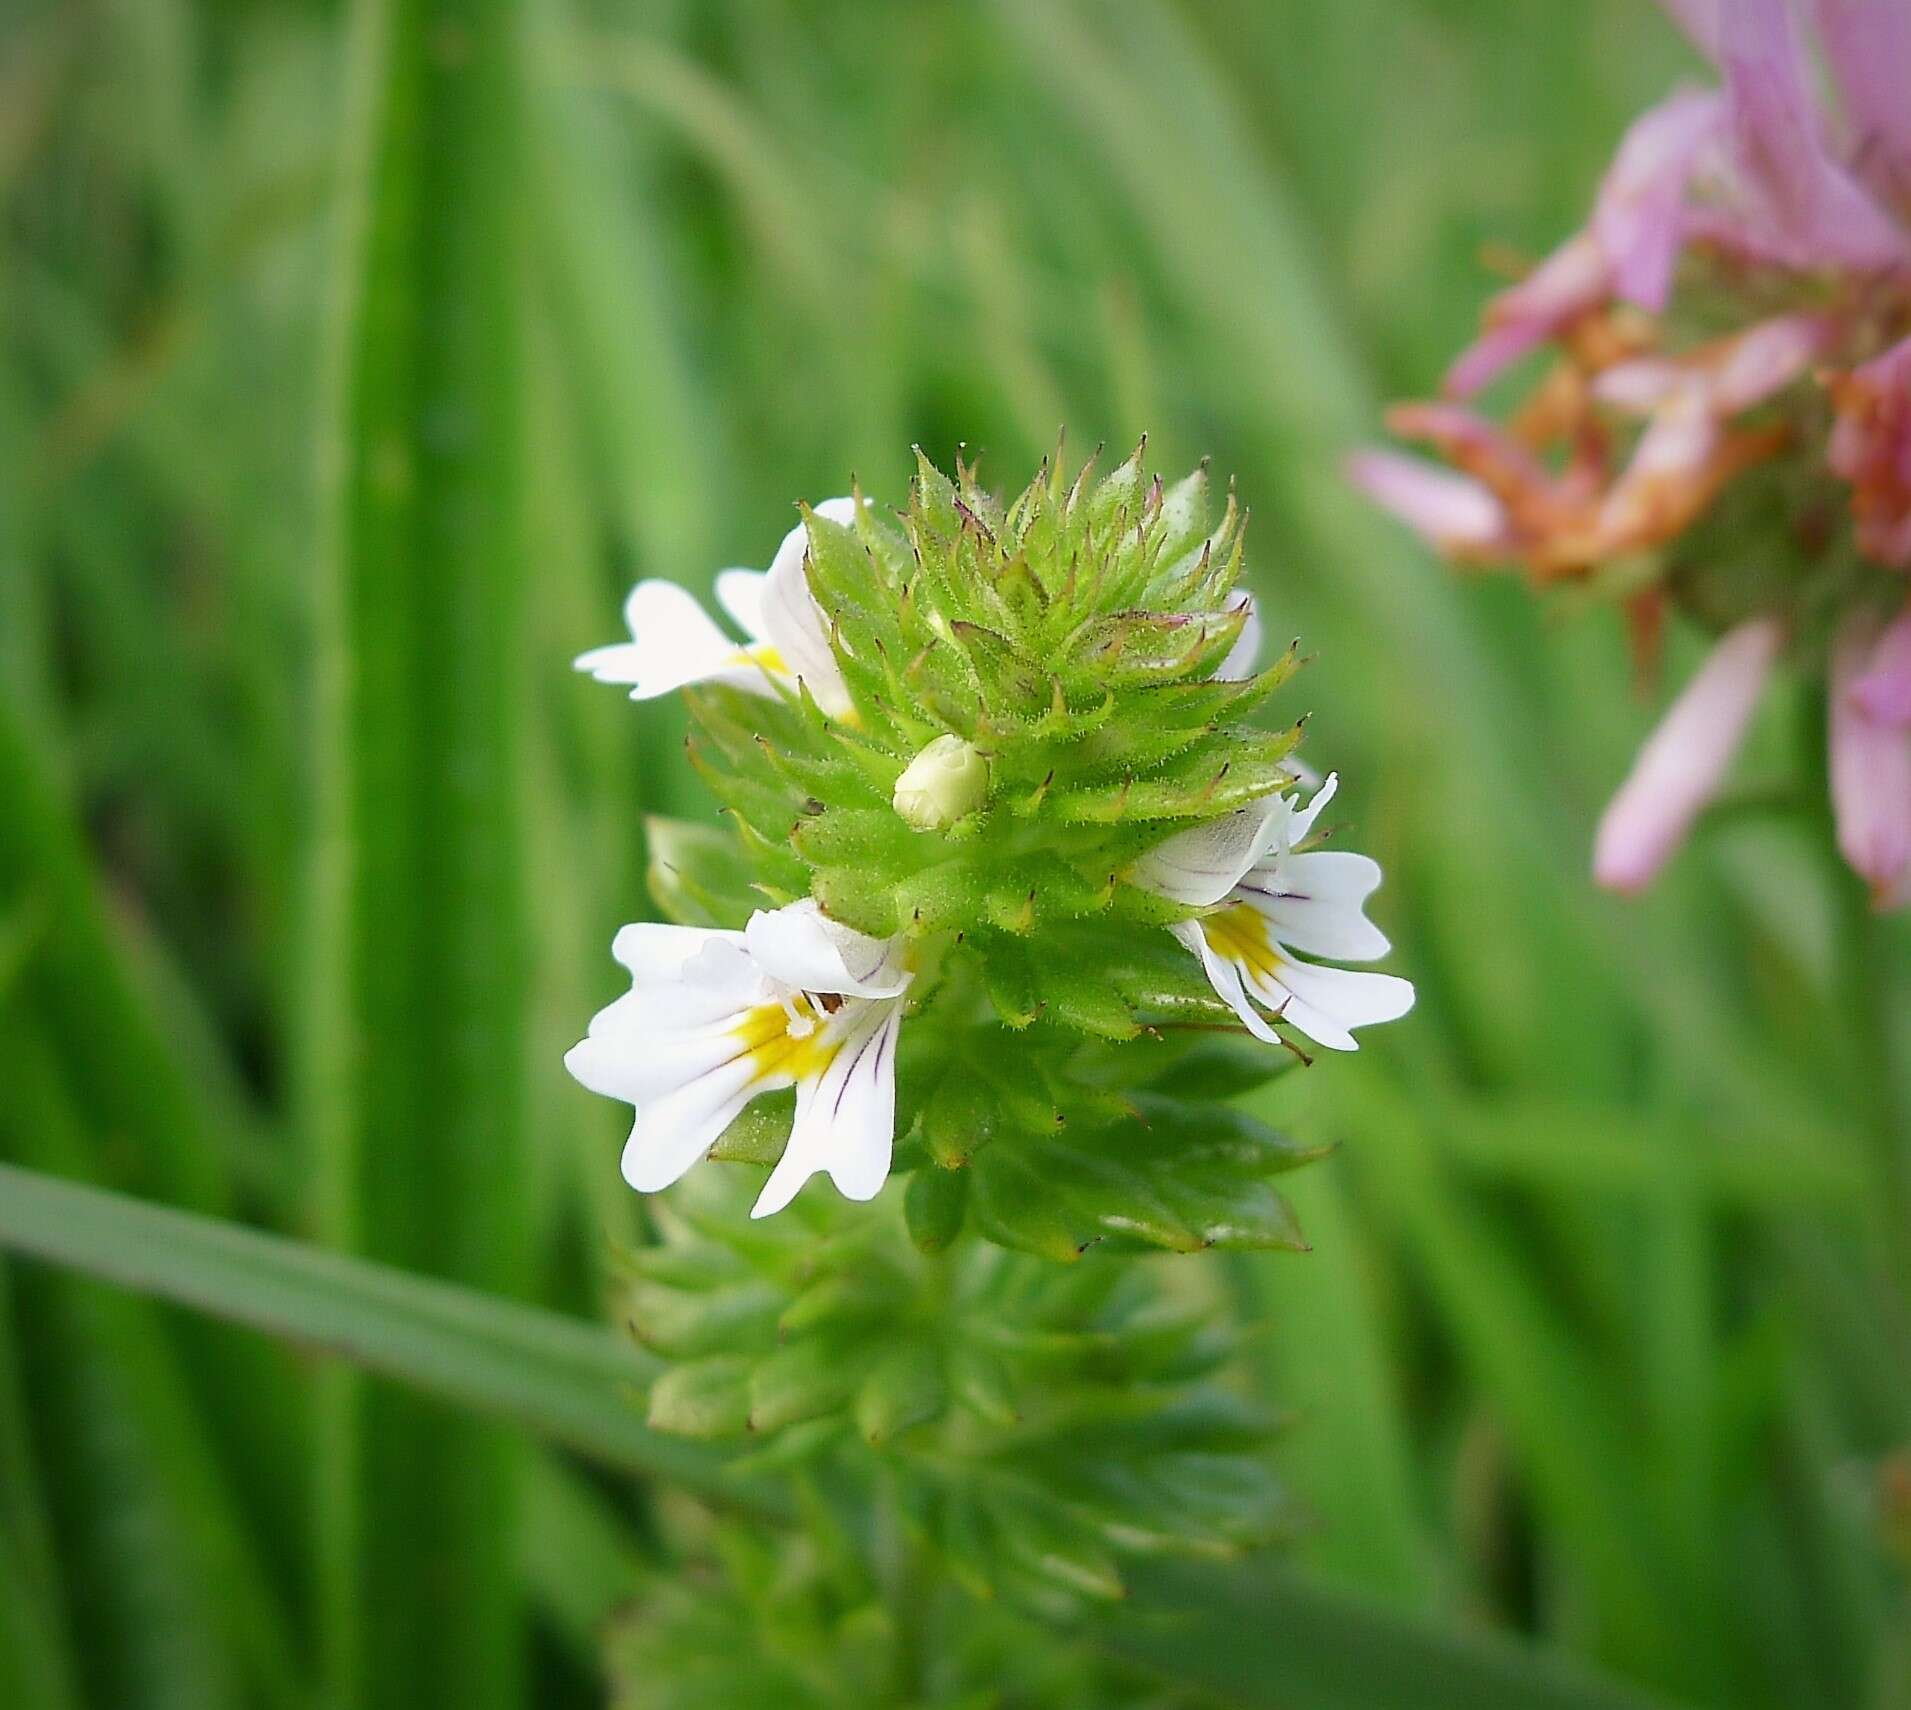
x=564, y=1380
x=1174, y=1175
x=1030, y=1426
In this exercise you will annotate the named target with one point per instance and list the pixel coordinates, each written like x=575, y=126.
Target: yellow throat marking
x=763, y=654
x=764, y=1032
x=1239, y=935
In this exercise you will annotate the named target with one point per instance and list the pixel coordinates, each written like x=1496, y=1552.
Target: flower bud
x=947, y=780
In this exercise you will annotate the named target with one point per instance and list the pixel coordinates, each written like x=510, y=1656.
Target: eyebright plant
x=1014, y=897
x=1723, y=423
x=1007, y=850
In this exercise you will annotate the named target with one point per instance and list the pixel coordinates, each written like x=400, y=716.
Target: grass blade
x=198, y=1541
x=557, y=1376
x=1271, y=1640
x=415, y=1079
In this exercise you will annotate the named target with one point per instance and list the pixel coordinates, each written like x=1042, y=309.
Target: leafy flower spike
x=714, y=1019
x=992, y=766
x=972, y=760
x=674, y=643
x=1269, y=900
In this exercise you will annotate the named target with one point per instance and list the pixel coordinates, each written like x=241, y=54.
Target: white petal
x=1315, y=902
x=653, y=951
x=1326, y=1004
x=802, y=948
x=841, y=510
x=1301, y=821
x=846, y=1117
x=673, y=642
x=690, y=989
x=1225, y=977
x=725, y=968
x=645, y=1046
x=792, y=622
x=740, y=593
x=673, y=1132
x=1200, y=866
x=1244, y=656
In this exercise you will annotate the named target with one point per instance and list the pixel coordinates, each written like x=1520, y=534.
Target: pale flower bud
x=947, y=780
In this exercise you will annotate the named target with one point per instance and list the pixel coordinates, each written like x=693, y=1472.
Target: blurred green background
x=353, y=362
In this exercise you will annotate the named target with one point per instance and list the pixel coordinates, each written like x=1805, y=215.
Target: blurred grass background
x=311, y=846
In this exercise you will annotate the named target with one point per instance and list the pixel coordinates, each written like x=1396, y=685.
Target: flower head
x=1017, y=720
x=1626, y=251
x=716, y=1019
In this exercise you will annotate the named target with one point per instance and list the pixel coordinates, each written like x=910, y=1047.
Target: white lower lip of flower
x=1248, y=967
x=707, y=1027
x=1315, y=903
x=674, y=642
x=845, y=1112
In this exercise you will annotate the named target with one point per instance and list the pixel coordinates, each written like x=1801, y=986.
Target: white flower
x=674, y=641
x=1268, y=902
x=714, y=1019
